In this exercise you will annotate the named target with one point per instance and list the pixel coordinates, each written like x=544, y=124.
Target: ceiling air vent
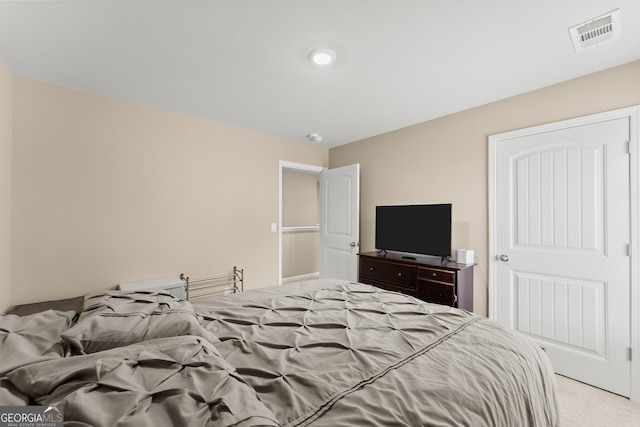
x=596, y=31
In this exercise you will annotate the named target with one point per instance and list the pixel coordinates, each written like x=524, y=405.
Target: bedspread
x=350, y=354
x=326, y=353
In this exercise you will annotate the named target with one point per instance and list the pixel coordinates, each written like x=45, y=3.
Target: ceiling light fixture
x=322, y=56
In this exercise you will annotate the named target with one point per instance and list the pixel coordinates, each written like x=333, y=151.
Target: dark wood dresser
x=427, y=278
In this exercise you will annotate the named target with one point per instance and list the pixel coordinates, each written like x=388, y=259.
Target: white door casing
x=340, y=222
x=560, y=211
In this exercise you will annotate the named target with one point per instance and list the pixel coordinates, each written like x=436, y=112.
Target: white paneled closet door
x=340, y=222
x=562, y=221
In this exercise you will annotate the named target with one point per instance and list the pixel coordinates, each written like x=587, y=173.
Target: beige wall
x=299, y=199
x=6, y=143
x=445, y=160
x=300, y=253
x=107, y=191
x=300, y=250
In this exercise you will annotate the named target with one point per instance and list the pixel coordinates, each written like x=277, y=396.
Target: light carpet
x=584, y=406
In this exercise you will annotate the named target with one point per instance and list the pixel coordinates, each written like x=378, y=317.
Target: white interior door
x=340, y=222
x=561, y=239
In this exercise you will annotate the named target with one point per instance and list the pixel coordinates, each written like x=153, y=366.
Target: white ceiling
x=245, y=63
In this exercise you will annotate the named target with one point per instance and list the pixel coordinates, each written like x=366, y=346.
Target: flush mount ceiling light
x=322, y=56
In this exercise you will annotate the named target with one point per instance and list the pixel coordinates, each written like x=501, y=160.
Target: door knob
x=504, y=257
x=353, y=244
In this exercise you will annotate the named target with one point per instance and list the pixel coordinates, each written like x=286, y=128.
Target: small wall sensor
x=314, y=137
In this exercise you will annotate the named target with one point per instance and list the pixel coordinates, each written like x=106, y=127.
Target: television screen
x=418, y=229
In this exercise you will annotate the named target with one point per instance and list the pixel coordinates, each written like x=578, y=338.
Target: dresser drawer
x=390, y=287
x=402, y=289
x=438, y=275
x=439, y=293
x=398, y=274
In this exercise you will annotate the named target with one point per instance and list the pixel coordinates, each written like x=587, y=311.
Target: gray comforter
x=328, y=353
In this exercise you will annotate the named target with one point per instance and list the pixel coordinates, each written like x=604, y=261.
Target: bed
x=322, y=353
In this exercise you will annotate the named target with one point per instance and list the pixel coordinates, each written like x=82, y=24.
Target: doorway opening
x=299, y=229
x=338, y=203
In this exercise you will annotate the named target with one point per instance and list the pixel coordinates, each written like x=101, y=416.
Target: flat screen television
x=415, y=229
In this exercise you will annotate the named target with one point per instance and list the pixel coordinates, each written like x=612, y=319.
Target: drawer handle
x=434, y=274
x=370, y=268
x=399, y=274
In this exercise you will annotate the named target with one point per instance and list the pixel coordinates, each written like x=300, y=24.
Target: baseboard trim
x=300, y=278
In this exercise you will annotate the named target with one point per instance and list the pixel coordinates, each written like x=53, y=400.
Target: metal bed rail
x=217, y=285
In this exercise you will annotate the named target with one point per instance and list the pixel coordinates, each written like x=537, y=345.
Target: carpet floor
x=584, y=406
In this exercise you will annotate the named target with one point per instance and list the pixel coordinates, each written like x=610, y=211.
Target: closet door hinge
x=629, y=353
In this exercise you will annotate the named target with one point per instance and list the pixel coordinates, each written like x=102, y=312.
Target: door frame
x=633, y=113
x=296, y=167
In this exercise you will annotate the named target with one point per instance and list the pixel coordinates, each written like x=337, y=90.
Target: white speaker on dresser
x=464, y=256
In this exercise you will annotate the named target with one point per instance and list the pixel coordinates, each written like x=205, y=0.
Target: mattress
x=326, y=353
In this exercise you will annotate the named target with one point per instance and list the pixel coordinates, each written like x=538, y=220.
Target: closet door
x=340, y=222
x=562, y=232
